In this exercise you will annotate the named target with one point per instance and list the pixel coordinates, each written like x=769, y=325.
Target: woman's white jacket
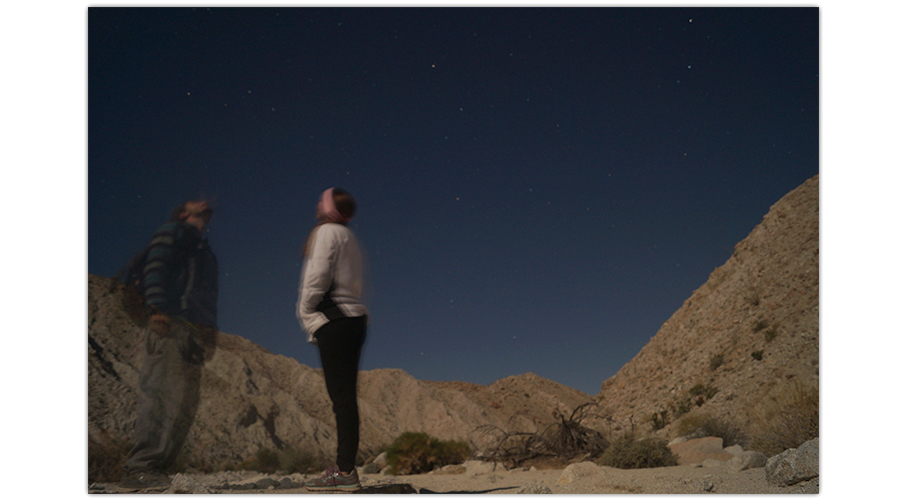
x=331, y=282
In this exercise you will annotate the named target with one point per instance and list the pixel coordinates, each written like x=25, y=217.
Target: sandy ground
x=666, y=480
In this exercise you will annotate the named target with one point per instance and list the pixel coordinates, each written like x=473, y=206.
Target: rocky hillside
x=252, y=399
x=750, y=331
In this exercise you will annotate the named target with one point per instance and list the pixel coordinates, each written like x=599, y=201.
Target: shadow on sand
x=404, y=488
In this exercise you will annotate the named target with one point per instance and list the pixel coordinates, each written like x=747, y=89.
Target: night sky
x=539, y=189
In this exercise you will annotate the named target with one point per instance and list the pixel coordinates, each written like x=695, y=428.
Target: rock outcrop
x=696, y=451
x=749, y=331
x=794, y=466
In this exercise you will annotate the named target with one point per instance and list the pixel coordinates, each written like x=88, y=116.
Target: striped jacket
x=181, y=274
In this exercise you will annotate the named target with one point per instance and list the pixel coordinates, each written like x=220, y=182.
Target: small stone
x=371, y=468
x=266, y=482
x=746, y=460
x=534, y=489
x=578, y=471
x=182, y=483
x=735, y=450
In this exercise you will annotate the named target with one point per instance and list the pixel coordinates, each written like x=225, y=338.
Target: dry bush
x=106, y=457
x=628, y=453
x=417, y=452
x=564, y=439
x=786, y=419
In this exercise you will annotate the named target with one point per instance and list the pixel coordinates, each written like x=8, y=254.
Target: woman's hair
x=345, y=204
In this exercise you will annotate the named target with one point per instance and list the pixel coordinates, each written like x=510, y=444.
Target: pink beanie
x=327, y=209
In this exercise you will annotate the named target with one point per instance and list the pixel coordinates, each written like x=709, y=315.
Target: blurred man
x=180, y=285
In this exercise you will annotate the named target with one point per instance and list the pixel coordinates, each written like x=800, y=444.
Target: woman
x=332, y=313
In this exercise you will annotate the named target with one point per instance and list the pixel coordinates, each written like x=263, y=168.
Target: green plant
x=786, y=419
x=771, y=333
x=628, y=453
x=760, y=325
x=417, y=452
x=757, y=355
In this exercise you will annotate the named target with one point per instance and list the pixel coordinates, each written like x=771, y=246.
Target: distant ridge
x=252, y=399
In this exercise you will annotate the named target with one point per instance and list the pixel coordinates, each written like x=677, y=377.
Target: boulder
x=735, y=450
x=795, y=465
x=746, y=460
x=534, y=489
x=577, y=471
x=696, y=451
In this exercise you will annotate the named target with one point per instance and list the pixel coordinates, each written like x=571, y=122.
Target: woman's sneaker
x=334, y=480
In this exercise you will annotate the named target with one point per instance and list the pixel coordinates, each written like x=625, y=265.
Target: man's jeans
x=168, y=397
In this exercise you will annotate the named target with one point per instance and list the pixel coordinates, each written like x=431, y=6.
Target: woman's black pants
x=340, y=344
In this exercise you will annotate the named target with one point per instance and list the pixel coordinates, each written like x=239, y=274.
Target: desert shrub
x=695, y=396
x=760, y=325
x=628, y=453
x=417, y=452
x=770, y=334
x=292, y=461
x=787, y=419
x=106, y=457
x=757, y=355
x=287, y=460
x=716, y=361
x=562, y=439
x=689, y=425
x=659, y=420
x=704, y=391
x=710, y=427
x=753, y=297
x=681, y=406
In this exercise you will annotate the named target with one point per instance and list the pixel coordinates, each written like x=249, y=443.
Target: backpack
x=132, y=276
x=133, y=272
